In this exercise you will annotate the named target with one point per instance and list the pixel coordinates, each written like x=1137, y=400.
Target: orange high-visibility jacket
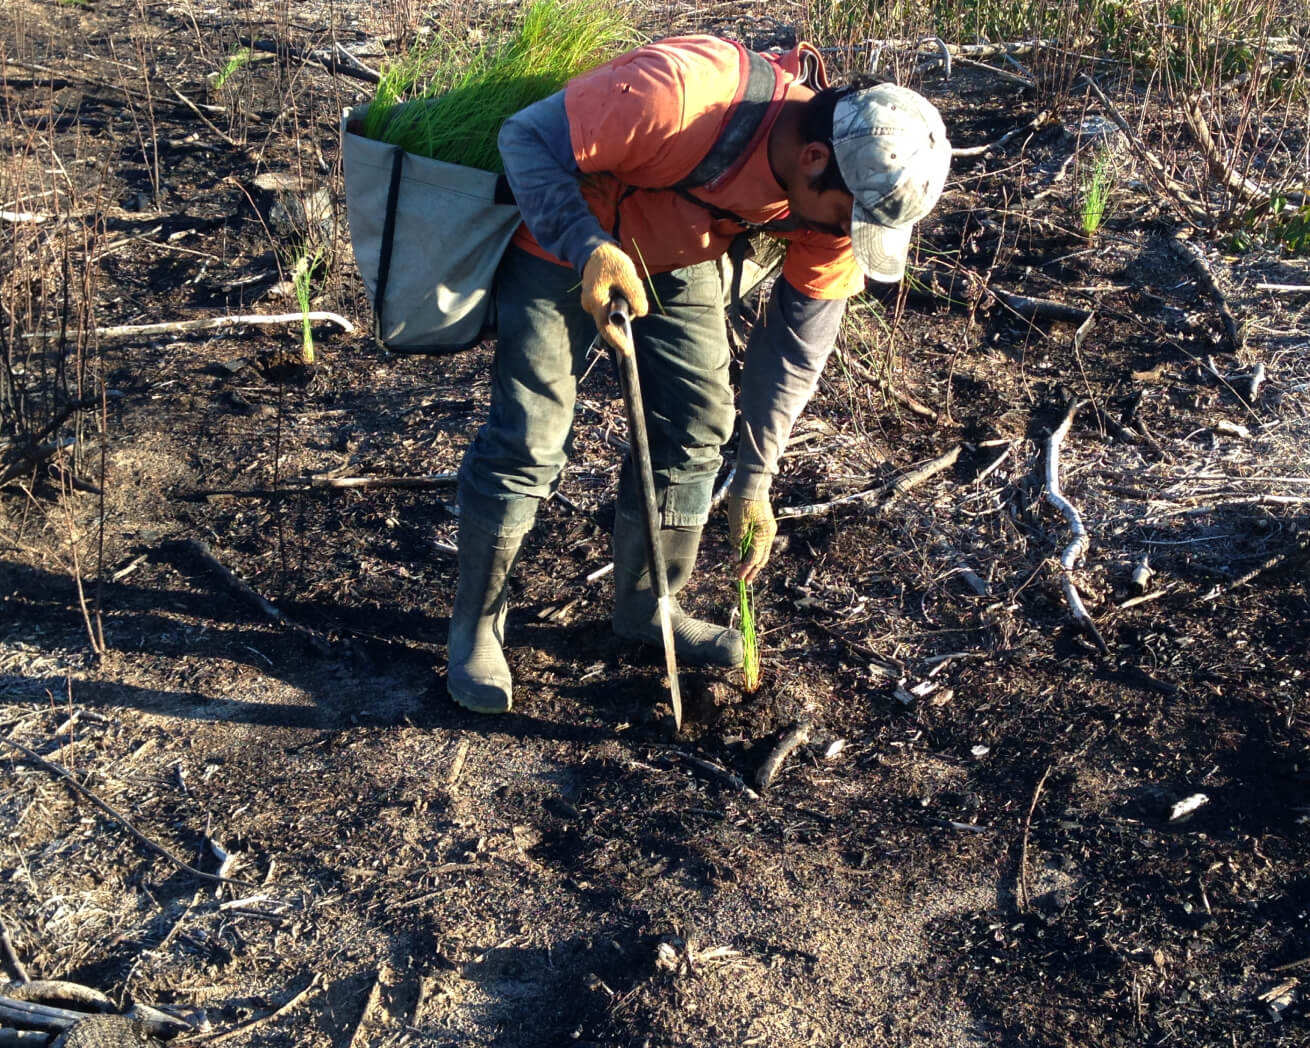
x=644, y=122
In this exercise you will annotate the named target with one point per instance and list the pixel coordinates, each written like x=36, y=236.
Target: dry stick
x=1000, y=74
x=1078, y=546
x=1243, y=187
x=432, y=480
x=359, y=1037
x=1268, y=564
x=203, y=119
x=37, y=1016
x=887, y=493
x=1036, y=122
x=215, y=323
x=720, y=772
x=887, y=389
x=1190, y=254
x=43, y=991
x=798, y=736
x=11, y=957
x=906, y=481
x=1041, y=308
x=1023, y=895
x=339, y=60
x=116, y=815
x=201, y=550
x=314, y=984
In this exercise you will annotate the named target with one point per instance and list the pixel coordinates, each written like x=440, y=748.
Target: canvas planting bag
x=427, y=238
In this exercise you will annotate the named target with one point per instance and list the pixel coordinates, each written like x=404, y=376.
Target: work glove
x=753, y=517
x=610, y=272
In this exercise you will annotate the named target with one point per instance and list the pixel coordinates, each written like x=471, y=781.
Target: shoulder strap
x=757, y=93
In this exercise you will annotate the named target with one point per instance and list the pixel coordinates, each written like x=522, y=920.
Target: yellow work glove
x=756, y=517
x=610, y=272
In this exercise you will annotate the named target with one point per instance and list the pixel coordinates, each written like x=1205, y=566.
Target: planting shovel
x=627, y=360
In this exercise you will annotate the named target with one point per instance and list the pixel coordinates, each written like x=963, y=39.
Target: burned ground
x=976, y=846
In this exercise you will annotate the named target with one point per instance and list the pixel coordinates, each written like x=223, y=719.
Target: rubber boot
x=635, y=614
x=477, y=676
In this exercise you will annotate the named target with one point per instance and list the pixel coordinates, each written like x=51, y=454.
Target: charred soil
x=978, y=844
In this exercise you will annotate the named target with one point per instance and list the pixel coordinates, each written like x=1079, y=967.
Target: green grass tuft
x=457, y=96
x=1096, y=193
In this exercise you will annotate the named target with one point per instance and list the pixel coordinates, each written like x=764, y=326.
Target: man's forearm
x=539, y=163
x=785, y=356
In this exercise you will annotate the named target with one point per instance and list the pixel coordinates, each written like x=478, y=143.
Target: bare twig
x=11, y=957
x=1079, y=543
x=173, y=327
x=62, y=773
x=432, y=480
x=798, y=736
x=719, y=772
x=1036, y=122
x=1191, y=254
x=56, y=993
x=338, y=60
x=315, y=983
x=885, y=494
x=1024, y=895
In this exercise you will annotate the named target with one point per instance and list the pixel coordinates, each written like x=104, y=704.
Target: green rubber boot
x=477, y=675
x=635, y=615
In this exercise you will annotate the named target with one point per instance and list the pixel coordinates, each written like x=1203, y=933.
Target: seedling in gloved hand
x=750, y=652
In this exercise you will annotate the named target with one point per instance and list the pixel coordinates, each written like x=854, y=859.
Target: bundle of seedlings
x=447, y=100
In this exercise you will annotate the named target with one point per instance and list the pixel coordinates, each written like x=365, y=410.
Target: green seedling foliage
x=457, y=96
x=302, y=273
x=236, y=61
x=1292, y=230
x=750, y=648
x=1096, y=193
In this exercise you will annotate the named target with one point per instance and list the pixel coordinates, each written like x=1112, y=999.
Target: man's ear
x=814, y=158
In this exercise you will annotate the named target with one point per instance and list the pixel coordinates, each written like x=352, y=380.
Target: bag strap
x=388, y=238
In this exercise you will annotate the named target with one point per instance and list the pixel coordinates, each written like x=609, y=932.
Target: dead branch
x=200, y=550
x=1268, y=564
x=1000, y=74
x=24, y=217
x=233, y=581
x=37, y=1016
x=56, y=993
x=885, y=494
x=719, y=772
x=1041, y=308
x=1192, y=255
x=338, y=60
x=907, y=481
x=10, y=955
x=1242, y=187
x=432, y=480
x=768, y=771
x=31, y=457
x=174, y=327
x=1034, y=124
x=1023, y=896
x=63, y=774
x=1078, y=545
x=886, y=388
x=360, y=1037
x=315, y=983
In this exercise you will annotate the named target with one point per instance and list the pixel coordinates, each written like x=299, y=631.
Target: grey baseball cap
x=893, y=154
